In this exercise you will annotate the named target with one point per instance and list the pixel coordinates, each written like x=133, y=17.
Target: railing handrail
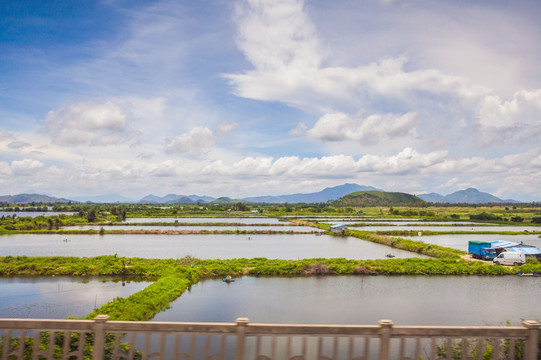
x=262, y=328
x=242, y=328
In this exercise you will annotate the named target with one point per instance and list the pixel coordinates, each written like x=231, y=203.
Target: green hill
x=378, y=198
x=224, y=201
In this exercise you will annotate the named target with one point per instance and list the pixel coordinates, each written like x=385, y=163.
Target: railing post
x=99, y=336
x=241, y=337
x=385, y=340
x=532, y=343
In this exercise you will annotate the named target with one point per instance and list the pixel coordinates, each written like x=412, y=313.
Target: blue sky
x=257, y=97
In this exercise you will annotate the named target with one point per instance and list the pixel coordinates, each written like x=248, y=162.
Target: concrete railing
x=103, y=339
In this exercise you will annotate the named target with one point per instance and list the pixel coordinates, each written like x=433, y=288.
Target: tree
x=240, y=206
x=91, y=215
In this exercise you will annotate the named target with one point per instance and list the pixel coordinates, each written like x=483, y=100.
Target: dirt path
x=468, y=257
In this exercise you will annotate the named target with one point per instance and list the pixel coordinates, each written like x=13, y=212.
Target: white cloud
x=88, y=124
x=277, y=35
x=289, y=67
x=199, y=139
x=299, y=129
x=406, y=161
x=369, y=129
x=525, y=108
x=26, y=167
x=226, y=127
x=514, y=121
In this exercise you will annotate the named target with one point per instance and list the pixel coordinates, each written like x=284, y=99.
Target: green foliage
x=485, y=216
x=377, y=198
x=145, y=304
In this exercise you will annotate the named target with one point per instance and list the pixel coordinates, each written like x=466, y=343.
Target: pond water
x=447, y=228
x=461, y=241
x=240, y=220
x=406, y=300
x=194, y=227
x=287, y=246
x=400, y=224
x=60, y=297
x=33, y=213
x=356, y=219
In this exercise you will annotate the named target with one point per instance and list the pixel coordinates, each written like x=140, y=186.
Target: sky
x=265, y=97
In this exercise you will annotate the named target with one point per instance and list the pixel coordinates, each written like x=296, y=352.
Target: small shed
x=339, y=228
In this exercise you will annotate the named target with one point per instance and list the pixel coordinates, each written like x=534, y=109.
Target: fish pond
x=406, y=300
x=225, y=220
x=203, y=246
x=34, y=214
x=273, y=228
x=61, y=296
x=457, y=227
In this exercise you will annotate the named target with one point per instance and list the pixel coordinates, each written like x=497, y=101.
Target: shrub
x=485, y=216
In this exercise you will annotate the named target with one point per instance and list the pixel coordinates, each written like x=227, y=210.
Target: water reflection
x=407, y=300
x=60, y=297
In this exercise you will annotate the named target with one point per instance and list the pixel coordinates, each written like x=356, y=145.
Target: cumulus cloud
x=26, y=167
x=406, y=161
x=277, y=35
x=280, y=41
x=198, y=139
x=87, y=123
x=18, y=145
x=369, y=129
x=513, y=121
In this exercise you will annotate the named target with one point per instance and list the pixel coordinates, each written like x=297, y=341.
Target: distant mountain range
x=30, y=198
x=327, y=194
x=468, y=196
x=175, y=199
x=107, y=198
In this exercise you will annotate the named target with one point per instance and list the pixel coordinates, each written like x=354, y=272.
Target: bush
x=485, y=216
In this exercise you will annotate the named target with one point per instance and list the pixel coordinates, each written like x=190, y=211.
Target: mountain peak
x=467, y=196
x=327, y=194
